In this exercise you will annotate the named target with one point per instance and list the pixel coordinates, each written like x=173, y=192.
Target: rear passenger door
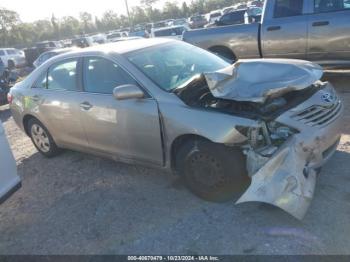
x=54, y=98
x=284, y=29
x=329, y=31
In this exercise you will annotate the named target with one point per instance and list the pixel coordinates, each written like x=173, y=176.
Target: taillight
x=9, y=98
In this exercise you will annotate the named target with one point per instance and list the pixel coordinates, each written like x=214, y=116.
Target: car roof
x=120, y=47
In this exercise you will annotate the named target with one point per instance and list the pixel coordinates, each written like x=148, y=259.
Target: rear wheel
x=212, y=171
x=42, y=138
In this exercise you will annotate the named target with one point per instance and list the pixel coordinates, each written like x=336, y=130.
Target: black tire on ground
x=11, y=64
x=212, y=171
x=42, y=138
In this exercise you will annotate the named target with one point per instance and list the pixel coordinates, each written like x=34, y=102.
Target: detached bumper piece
x=284, y=181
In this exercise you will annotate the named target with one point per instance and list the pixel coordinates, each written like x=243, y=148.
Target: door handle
x=273, y=28
x=320, y=23
x=35, y=98
x=85, y=106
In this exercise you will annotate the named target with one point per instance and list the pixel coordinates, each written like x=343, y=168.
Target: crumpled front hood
x=256, y=80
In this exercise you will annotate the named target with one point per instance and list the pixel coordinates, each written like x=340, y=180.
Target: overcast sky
x=30, y=10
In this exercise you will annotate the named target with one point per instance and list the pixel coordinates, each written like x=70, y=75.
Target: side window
x=63, y=76
x=41, y=81
x=286, y=8
x=10, y=52
x=102, y=75
x=226, y=19
x=2, y=53
x=322, y=6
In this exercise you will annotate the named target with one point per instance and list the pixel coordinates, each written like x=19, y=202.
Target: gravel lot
x=82, y=204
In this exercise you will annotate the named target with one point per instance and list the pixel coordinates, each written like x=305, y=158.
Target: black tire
x=10, y=64
x=212, y=171
x=49, y=149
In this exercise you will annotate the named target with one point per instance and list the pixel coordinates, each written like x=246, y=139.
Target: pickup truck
x=314, y=30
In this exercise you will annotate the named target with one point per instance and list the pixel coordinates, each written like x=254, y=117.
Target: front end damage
x=298, y=125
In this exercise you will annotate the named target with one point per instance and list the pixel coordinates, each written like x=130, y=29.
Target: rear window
x=323, y=6
x=286, y=8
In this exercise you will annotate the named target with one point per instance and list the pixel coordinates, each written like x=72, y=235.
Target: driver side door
x=127, y=129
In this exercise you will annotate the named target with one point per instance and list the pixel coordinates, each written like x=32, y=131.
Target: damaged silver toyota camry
x=257, y=130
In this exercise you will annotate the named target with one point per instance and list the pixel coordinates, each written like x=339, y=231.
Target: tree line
x=15, y=33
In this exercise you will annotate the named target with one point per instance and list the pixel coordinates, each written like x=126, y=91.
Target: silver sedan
x=262, y=128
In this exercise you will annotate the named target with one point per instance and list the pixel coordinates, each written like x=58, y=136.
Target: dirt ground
x=82, y=204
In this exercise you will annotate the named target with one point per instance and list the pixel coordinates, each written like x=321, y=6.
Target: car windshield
x=171, y=65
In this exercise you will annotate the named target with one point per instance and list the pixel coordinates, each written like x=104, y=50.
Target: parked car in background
x=214, y=16
x=197, y=21
x=111, y=37
x=228, y=9
x=126, y=38
x=10, y=182
x=99, y=38
x=255, y=3
x=174, y=32
x=49, y=44
x=12, y=57
x=312, y=30
x=84, y=41
x=181, y=21
x=172, y=105
x=47, y=55
x=241, y=6
x=160, y=24
x=139, y=31
x=231, y=18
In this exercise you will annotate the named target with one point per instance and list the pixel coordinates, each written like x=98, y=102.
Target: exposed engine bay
x=196, y=93
x=282, y=156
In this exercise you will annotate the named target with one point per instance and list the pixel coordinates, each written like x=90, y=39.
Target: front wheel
x=42, y=138
x=212, y=171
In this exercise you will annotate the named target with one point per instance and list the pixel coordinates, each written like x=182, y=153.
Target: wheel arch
x=223, y=50
x=178, y=142
x=25, y=122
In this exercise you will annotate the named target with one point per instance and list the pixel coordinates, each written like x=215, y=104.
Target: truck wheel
x=212, y=171
x=42, y=138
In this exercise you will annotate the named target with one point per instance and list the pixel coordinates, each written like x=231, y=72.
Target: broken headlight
x=279, y=133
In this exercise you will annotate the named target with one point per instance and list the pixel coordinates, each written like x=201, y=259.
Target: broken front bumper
x=287, y=180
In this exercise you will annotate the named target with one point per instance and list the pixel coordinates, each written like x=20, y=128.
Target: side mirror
x=127, y=92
